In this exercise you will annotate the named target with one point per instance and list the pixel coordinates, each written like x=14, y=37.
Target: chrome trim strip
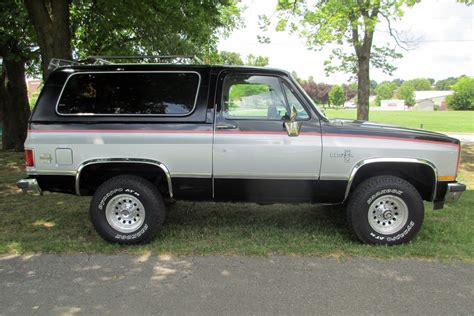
x=404, y=160
x=123, y=160
x=125, y=72
x=51, y=172
x=191, y=175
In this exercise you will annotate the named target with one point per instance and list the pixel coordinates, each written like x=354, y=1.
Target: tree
x=384, y=91
x=420, y=84
x=50, y=19
x=336, y=96
x=373, y=86
x=129, y=27
x=233, y=58
x=407, y=92
x=463, y=97
x=224, y=58
x=445, y=84
x=79, y=28
x=259, y=61
x=318, y=92
x=350, y=90
x=398, y=82
x=16, y=41
x=323, y=22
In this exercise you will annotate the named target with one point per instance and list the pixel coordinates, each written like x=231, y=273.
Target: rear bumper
x=29, y=186
x=454, y=192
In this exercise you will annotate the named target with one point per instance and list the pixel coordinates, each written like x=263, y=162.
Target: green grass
x=447, y=121
x=58, y=223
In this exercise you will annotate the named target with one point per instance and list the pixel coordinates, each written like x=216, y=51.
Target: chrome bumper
x=29, y=186
x=454, y=192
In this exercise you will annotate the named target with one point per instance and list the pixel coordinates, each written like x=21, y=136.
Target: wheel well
x=421, y=176
x=93, y=175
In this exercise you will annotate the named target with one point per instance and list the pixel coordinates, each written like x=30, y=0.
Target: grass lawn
x=60, y=223
x=449, y=121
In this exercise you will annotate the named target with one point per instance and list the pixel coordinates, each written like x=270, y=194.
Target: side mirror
x=292, y=126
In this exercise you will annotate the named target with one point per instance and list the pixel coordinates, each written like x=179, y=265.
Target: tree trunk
x=363, y=91
x=15, y=106
x=50, y=20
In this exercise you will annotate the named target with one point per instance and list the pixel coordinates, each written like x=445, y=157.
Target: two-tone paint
x=221, y=159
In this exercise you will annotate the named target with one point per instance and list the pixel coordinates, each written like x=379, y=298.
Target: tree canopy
x=407, y=92
x=339, y=22
x=17, y=50
x=78, y=28
x=233, y=58
x=139, y=27
x=463, y=97
x=336, y=96
x=384, y=91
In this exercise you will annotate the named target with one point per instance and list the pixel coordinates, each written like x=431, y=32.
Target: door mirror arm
x=292, y=126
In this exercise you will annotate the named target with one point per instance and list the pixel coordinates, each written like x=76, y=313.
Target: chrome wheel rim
x=388, y=214
x=125, y=213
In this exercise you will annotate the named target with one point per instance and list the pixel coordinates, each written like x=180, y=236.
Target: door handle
x=226, y=126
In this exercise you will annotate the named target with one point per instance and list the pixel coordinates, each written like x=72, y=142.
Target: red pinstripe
x=236, y=132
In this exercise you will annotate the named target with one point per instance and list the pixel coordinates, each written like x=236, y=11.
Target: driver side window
x=254, y=97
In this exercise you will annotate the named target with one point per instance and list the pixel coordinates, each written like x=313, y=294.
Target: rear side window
x=126, y=93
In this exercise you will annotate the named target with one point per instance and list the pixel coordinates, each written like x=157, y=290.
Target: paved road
x=465, y=138
x=81, y=284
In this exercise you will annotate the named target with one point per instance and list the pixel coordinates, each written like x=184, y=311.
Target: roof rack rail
x=56, y=63
x=168, y=58
x=107, y=60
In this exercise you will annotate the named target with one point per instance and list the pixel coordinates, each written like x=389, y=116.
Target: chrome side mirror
x=292, y=126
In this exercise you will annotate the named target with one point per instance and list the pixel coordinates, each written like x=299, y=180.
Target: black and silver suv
x=132, y=135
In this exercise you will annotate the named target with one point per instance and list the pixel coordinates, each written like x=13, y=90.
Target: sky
x=444, y=28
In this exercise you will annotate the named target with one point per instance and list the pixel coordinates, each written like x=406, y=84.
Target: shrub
x=463, y=97
x=336, y=96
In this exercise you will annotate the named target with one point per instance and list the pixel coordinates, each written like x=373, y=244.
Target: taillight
x=459, y=160
x=29, y=158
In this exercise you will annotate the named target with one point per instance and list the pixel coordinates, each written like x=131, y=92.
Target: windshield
x=309, y=98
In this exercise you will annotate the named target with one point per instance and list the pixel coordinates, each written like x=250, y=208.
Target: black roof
x=151, y=67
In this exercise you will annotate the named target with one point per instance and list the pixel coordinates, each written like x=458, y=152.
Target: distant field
x=450, y=121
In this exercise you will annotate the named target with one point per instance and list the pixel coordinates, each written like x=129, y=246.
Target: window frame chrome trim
x=129, y=115
x=122, y=160
x=364, y=162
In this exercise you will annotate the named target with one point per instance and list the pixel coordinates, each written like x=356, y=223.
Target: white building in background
x=392, y=105
x=429, y=100
x=424, y=101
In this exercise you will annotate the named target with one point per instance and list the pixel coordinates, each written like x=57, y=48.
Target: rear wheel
x=385, y=210
x=127, y=210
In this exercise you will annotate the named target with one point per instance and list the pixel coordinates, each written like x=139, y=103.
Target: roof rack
x=108, y=60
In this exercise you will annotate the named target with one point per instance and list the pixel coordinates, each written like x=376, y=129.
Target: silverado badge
x=346, y=155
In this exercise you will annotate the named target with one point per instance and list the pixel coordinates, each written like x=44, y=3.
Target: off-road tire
x=141, y=189
x=362, y=200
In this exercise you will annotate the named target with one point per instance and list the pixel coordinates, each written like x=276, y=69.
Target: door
x=254, y=159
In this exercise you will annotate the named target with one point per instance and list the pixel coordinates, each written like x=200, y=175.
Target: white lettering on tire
x=109, y=194
x=385, y=191
x=106, y=196
x=402, y=234
x=397, y=237
x=132, y=236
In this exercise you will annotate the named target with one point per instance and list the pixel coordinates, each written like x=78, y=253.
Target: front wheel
x=385, y=210
x=127, y=210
